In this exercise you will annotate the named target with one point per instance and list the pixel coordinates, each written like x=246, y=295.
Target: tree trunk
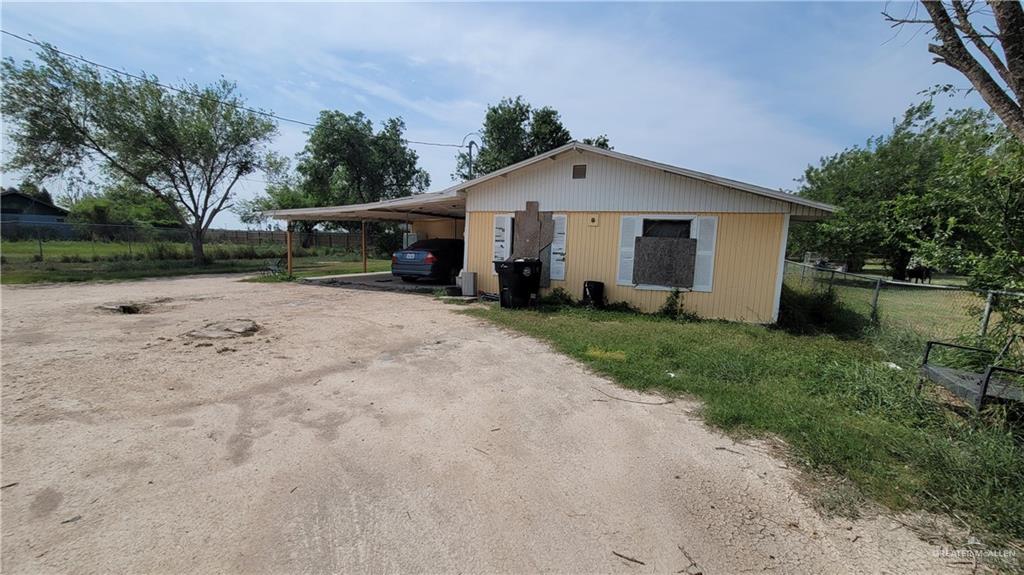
x=899, y=263
x=198, y=256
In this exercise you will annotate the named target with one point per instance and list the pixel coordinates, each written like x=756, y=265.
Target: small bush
x=621, y=306
x=673, y=307
x=810, y=313
x=557, y=297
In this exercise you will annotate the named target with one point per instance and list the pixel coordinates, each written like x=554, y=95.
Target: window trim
x=494, y=224
x=565, y=247
x=664, y=217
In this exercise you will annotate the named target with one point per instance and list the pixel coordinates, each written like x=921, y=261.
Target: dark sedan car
x=432, y=259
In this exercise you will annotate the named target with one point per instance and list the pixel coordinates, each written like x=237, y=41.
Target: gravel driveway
x=369, y=431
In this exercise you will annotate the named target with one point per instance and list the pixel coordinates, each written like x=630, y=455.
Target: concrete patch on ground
x=226, y=329
x=372, y=431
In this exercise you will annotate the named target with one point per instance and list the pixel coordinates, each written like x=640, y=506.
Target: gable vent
x=579, y=171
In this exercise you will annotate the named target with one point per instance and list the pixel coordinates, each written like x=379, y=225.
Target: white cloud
x=439, y=65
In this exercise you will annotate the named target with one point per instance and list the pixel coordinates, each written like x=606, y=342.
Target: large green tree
x=513, y=131
x=345, y=161
x=948, y=192
x=864, y=182
x=124, y=204
x=187, y=147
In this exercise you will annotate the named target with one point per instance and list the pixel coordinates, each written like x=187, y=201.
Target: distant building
x=22, y=215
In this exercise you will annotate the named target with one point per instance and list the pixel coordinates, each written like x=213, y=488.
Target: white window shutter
x=558, y=247
x=629, y=228
x=502, y=237
x=704, y=230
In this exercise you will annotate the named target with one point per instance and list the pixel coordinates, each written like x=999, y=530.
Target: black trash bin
x=518, y=282
x=593, y=294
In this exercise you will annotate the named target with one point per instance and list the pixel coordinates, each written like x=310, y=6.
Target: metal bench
x=975, y=387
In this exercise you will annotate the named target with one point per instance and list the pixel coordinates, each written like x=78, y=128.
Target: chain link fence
x=56, y=240
x=935, y=312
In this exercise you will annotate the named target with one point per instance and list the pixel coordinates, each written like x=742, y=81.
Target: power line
x=181, y=91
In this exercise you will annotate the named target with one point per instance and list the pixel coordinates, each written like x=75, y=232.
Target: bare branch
x=965, y=26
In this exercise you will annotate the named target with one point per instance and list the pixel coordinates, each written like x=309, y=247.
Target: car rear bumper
x=415, y=270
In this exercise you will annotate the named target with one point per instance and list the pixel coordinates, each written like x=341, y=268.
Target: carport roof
x=443, y=204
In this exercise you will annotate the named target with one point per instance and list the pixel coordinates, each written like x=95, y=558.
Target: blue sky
x=751, y=91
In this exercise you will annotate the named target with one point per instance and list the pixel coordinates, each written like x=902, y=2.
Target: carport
x=419, y=209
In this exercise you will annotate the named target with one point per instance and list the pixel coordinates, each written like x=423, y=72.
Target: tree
x=947, y=192
x=346, y=162
x=863, y=182
x=133, y=205
x=599, y=142
x=514, y=131
x=977, y=202
x=187, y=147
x=33, y=190
x=958, y=25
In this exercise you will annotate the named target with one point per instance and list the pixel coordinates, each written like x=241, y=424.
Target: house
x=640, y=227
x=22, y=214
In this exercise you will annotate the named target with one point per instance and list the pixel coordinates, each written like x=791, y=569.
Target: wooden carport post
x=288, y=241
x=363, y=243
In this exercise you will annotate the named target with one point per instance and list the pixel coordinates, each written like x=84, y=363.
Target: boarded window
x=664, y=262
x=701, y=229
x=579, y=171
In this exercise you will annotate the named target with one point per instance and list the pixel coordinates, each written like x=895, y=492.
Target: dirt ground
x=369, y=431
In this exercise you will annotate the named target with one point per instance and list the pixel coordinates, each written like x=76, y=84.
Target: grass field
x=14, y=252
x=75, y=261
x=838, y=406
x=934, y=313
x=37, y=272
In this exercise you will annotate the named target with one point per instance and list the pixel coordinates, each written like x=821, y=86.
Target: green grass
x=75, y=261
x=104, y=270
x=841, y=410
x=66, y=251
x=312, y=267
x=934, y=313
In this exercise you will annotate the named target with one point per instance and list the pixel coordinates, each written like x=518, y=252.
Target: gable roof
x=578, y=146
x=451, y=201
x=12, y=192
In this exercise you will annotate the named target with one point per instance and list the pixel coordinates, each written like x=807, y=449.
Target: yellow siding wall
x=746, y=263
x=438, y=229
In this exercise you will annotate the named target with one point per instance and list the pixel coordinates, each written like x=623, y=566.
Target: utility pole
x=471, y=144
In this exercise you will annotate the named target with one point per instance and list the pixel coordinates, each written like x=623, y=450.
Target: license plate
x=410, y=256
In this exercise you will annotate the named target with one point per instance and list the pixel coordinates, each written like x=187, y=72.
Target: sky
x=750, y=91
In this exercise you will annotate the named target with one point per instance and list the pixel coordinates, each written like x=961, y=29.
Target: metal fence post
x=874, y=300
x=985, y=315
